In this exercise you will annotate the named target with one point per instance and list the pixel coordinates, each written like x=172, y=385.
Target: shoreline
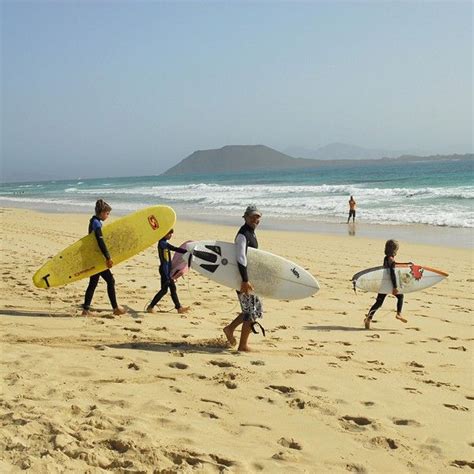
x=455, y=237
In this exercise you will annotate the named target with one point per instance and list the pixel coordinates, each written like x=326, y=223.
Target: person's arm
x=176, y=249
x=391, y=266
x=103, y=247
x=241, y=249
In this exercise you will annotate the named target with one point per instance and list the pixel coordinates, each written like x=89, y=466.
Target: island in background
x=241, y=158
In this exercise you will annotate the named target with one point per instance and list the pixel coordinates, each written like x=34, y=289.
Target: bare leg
x=244, y=336
x=229, y=330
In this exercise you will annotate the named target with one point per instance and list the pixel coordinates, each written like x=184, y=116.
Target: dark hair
x=101, y=206
x=391, y=247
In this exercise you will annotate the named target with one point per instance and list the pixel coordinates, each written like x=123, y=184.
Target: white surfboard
x=410, y=278
x=270, y=275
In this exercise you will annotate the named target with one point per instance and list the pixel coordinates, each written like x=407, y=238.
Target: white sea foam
x=439, y=206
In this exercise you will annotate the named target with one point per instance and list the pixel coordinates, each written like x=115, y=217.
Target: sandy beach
x=164, y=393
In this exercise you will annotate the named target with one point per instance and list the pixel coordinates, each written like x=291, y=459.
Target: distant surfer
x=352, y=210
x=164, y=254
x=250, y=304
x=391, y=249
x=102, y=212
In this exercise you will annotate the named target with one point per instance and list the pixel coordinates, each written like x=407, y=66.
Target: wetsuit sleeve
x=101, y=242
x=391, y=266
x=241, y=249
x=176, y=249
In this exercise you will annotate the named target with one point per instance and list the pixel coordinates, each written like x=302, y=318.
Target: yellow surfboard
x=124, y=238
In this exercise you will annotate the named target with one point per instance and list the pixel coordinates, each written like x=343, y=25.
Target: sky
x=130, y=88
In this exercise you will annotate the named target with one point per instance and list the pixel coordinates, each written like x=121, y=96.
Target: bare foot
x=401, y=318
x=230, y=336
x=183, y=309
x=150, y=309
x=88, y=312
x=245, y=349
x=119, y=311
x=367, y=323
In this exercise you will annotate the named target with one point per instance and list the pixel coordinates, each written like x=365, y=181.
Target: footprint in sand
x=298, y=403
x=382, y=442
x=281, y=388
x=459, y=463
x=178, y=365
x=265, y=399
x=404, y=422
x=221, y=363
x=290, y=443
x=255, y=425
x=366, y=377
x=356, y=468
x=358, y=420
x=412, y=390
x=455, y=407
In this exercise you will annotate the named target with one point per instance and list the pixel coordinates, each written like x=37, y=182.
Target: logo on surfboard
x=416, y=271
x=153, y=222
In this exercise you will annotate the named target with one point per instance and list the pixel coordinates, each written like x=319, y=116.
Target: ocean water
x=433, y=193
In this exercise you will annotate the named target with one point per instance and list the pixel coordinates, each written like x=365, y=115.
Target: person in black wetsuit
x=102, y=212
x=250, y=303
x=391, y=249
x=164, y=253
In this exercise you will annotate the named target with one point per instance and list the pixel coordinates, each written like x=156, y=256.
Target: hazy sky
x=109, y=88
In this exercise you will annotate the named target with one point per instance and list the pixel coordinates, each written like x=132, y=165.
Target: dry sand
x=163, y=392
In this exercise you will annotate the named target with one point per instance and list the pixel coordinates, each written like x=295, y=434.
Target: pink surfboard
x=179, y=265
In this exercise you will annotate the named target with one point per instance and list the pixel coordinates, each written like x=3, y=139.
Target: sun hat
x=252, y=210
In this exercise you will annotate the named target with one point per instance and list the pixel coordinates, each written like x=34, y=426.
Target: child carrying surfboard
x=164, y=254
x=391, y=249
x=102, y=212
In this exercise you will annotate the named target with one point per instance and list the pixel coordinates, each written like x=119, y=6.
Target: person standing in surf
x=391, y=249
x=164, y=254
x=352, y=210
x=250, y=304
x=102, y=212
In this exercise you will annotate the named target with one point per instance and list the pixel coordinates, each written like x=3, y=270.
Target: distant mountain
x=236, y=158
x=344, y=151
x=241, y=158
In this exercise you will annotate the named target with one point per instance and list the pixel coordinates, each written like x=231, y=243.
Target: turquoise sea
x=437, y=193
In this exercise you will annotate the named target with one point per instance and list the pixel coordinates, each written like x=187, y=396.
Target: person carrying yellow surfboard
x=102, y=212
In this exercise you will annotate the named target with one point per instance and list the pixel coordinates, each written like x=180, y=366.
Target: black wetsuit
x=381, y=297
x=250, y=241
x=164, y=252
x=250, y=304
x=95, y=225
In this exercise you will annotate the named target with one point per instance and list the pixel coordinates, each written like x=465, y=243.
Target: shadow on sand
x=202, y=347
x=342, y=328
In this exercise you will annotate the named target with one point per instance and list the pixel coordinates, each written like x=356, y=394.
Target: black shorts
x=352, y=213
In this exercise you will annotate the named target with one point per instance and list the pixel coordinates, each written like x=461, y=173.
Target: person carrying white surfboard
x=251, y=305
x=102, y=212
x=391, y=249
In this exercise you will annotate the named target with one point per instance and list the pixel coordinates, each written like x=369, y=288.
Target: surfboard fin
x=207, y=256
